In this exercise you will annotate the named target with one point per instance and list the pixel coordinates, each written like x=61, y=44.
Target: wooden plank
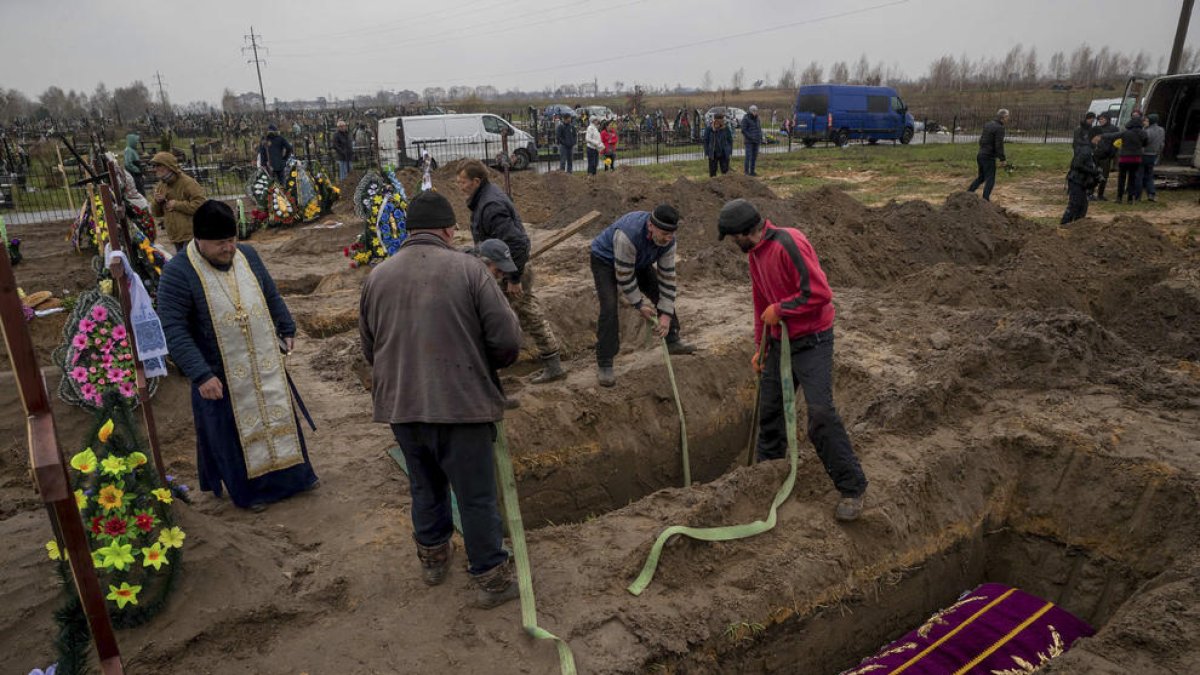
x=560, y=236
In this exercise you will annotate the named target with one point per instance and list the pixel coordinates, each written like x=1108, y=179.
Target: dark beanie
x=665, y=217
x=214, y=220
x=430, y=211
x=738, y=216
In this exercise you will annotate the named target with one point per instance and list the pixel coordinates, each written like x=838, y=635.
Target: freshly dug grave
x=1014, y=425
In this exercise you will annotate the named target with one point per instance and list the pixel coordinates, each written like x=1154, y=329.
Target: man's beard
x=746, y=246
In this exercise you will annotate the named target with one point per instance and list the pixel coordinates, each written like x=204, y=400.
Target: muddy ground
x=1025, y=400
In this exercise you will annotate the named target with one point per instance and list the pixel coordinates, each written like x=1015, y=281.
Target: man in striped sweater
x=636, y=254
x=790, y=288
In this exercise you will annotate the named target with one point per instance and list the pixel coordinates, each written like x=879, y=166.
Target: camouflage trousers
x=529, y=312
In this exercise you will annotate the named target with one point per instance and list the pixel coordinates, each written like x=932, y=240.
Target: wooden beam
x=563, y=234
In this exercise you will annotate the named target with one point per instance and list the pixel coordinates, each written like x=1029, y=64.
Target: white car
x=732, y=115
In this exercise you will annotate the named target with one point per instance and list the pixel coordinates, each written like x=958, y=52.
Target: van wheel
x=809, y=142
x=906, y=137
x=872, y=141
x=520, y=160
x=842, y=138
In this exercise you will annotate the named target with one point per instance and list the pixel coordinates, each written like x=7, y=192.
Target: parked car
x=596, y=112
x=559, y=109
x=1176, y=100
x=837, y=113
x=733, y=116
x=450, y=137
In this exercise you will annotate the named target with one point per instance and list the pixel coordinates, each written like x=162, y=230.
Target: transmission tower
x=162, y=95
x=253, y=43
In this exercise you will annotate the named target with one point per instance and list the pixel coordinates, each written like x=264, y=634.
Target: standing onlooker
x=1129, y=160
x=435, y=328
x=1155, y=137
x=566, y=136
x=1105, y=152
x=1083, y=131
x=175, y=199
x=1080, y=178
x=752, y=135
x=274, y=152
x=133, y=162
x=343, y=149
x=609, y=138
x=594, y=146
x=991, y=149
x=717, y=138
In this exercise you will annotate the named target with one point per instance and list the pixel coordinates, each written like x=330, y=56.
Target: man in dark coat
x=343, y=149
x=435, y=328
x=991, y=149
x=273, y=153
x=566, y=136
x=1104, y=153
x=226, y=326
x=717, y=138
x=1083, y=175
x=752, y=134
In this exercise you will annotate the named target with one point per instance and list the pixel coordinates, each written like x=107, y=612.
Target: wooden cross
x=50, y=471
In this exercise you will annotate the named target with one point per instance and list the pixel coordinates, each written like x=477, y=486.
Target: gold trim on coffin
x=257, y=387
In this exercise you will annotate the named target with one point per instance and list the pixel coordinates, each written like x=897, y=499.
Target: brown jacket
x=435, y=327
x=186, y=192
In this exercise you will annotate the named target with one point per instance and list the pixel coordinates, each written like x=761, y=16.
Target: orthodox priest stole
x=256, y=380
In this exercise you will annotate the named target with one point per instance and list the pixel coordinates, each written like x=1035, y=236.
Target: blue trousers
x=565, y=160
x=343, y=169
x=441, y=456
x=750, y=160
x=1148, y=162
x=986, y=177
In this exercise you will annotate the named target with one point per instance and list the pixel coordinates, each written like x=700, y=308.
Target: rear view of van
x=1176, y=101
x=838, y=113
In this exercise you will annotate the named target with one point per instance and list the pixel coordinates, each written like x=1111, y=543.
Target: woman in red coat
x=608, y=138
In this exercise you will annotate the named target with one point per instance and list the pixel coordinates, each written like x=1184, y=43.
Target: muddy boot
x=495, y=586
x=849, y=509
x=511, y=403
x=606, y=376
x=553, y=371
x=680, y=347
x=435, y=561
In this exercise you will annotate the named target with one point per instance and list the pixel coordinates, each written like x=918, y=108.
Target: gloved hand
x=756, y=363
x=770, y=315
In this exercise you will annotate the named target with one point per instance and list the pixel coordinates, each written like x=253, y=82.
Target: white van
x=451, y=137
x=1176, y=100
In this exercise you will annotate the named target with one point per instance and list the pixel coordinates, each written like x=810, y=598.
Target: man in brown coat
x=435, y=328
x=176, y=197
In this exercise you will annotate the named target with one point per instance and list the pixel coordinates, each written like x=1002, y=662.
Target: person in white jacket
x=594, y=147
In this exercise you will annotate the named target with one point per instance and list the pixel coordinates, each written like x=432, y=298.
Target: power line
x=258, y=63
x=388, y=27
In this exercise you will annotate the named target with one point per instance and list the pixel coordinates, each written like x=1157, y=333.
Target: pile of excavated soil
x=1025, y=400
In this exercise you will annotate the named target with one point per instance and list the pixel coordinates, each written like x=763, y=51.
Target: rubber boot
x=605, y=375
x=680, y=347
x=435, y=561
x=553, y=371
x=849, y=509
x=495, y=586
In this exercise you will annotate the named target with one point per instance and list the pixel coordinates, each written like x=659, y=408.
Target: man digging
x=788, y=284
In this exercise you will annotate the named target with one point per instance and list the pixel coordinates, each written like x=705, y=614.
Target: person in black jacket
x=273, y=153
x=1129, y=159
x=493, y=216
x=343, y=149
x=1105, y=152
x=1083, y=132
x=1083, y=175
x=991, y=148
x=566, y=136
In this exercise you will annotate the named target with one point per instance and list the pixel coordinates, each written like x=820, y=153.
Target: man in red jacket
x=789, y=287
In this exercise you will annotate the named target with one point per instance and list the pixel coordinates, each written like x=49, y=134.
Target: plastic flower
x=116, y=555
x=100, y=313
x=127, y=389
x=124, y=595
x=172, y=537
x=115, y=375
x=84, y=462
x=105, y=431
x=97, y=525
x=110, y=497
x=80, y=341
x=54, y=551
x=79, y=374
x=144, y=521
x=135, y=459
x=163, y=494
x=154, y=556
x=81, y=500
x=115, y=527
x=86, y=325
x=113, y=466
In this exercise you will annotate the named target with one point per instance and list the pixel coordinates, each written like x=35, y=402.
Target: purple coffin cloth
x=994, y=629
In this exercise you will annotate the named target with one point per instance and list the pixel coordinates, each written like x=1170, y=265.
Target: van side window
x=492, y=125
x=897, y=104
x=878, y=104
x=817, y=104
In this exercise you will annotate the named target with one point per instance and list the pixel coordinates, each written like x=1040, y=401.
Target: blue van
x=840, y=112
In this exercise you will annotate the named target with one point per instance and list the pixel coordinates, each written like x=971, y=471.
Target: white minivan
x=402, y=140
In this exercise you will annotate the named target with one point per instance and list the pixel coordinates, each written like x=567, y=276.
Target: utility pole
x=162, y=96
x=254, y=45
x=1185, y=17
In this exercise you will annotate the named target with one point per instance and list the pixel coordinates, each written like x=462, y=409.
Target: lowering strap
x=730, y=532
x=687, y=465
x=516, y=530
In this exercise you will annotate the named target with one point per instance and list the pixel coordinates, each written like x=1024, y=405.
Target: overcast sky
x=347, y=47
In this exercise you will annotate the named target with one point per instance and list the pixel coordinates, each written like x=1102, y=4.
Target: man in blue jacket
x=717, y=138
x=229, y=332
x=752, y=135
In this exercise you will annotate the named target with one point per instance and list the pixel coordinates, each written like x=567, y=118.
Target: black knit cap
x=665, y=217
x=738, y=216
x=214, y=220
x=430, y=211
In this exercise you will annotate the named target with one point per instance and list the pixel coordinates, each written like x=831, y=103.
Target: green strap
x=3, y=231
x=516, y=530
x=687, y=465
x=730, y=532
x=397, y=455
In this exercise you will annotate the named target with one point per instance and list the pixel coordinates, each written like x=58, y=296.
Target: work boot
x=606, y=376
x=553, y=371
x=495, y=586
x=680, y=347
x=849, y=508
x=511, y=403
x=435, y=561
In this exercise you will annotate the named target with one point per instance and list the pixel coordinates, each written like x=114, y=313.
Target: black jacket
x=1107, y=133
x=1083, y=166
x=493, y=216
x=274, y=151
x=566, y=134
x=991, y=141
x=1133, y=139
x=343, y=147
x=1083, y=134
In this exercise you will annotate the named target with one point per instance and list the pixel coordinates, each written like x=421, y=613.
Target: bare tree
x=1083, y=66
x=1058, y=65
x=100, y=105
x=1030, y=71
x=132, y=101
x=1011, y=66
x=812, y=73
x=738, y=80
x=14, y=104
x=706, y=83
x=787, y=79
x=963, y=72
x=1140, y=63
x=839, y=72
x=618, y=86
x=943, y=73
x=862, y=70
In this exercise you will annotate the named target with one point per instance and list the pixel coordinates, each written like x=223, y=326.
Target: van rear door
x=812, y=111
x=1131, y=99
